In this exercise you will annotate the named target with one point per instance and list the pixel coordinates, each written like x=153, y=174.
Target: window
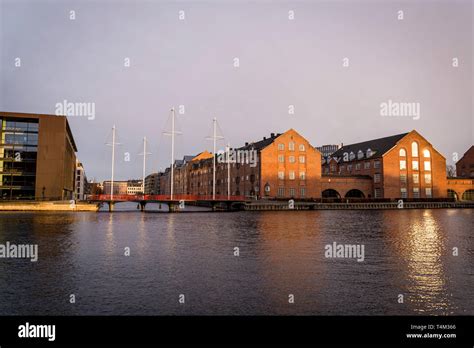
x=349, y=167
x=357, y=166
x=352, y=156
x=267, y=188
x=416, y=192
x=416, y=178
x=428, y=178
x=303, y=192
x=281, y=147
x=403, y=192
x=360, y=154
x=281, y=158
x=414, y=149
x=377, y=164
x=341, y=168
x=369, y=153
x=426, y=153
x=302, y=176
x=428, y=192
x=367, y=165
x=281, y=175
x=292, y=192
x=292, y=175
x=302, y=148
x=402, y=153
x=378, y=193
x=281, y=191
x=403, y=178
x=302, y=159
x=427, y=165
x=333, y=168
x=377, y=178
x=291, y=146
x=291, y=159
x=403, y=165
x=414, y=165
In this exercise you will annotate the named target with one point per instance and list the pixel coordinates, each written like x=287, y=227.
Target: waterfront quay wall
x=47, y=206
x=284, y=206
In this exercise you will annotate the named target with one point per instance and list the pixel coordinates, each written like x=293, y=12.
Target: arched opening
x=453, y=194
x=468, y=195
x=354, y=193
x=330, y=193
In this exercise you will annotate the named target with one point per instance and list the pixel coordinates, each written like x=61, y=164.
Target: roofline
x=37, y=116
x=414, y=130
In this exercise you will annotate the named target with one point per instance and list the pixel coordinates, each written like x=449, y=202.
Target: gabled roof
x=261, y=144
x=465, y=153
x=378, y=147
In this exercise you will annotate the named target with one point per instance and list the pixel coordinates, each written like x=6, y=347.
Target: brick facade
x=288, y=166
x=465, y=166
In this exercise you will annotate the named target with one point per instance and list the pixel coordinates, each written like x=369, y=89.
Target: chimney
x=246, y=144
x=272, y=135
x=264, y=138
x=340, y=145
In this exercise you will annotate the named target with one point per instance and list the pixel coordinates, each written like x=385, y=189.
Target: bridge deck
x=167, y=198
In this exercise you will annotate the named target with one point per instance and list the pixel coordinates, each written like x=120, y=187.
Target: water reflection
x=424, y=253
x=281, y=253
x=291, y=251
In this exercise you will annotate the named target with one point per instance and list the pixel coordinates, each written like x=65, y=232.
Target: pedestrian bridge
x=175, y=202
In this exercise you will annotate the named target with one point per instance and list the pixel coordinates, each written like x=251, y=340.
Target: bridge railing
x=161, y=198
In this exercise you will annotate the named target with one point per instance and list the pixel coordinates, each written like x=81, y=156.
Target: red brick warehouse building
x=281, y=166
x=288, y=166
x=400, y=166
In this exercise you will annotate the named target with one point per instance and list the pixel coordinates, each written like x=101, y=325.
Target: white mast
x=144, y=163
x=172, y=152
x=228, y=171
x=214, y=138
x=113, y=161
x=172, y=133
x=214, y=162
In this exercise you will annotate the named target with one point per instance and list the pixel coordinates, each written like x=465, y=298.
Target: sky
x=321, y=67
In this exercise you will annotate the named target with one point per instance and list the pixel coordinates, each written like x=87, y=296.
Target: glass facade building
x=18, y=156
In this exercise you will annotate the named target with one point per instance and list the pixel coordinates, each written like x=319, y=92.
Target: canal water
x=408, y=267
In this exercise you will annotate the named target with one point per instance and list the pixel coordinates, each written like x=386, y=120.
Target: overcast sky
x=285, y=58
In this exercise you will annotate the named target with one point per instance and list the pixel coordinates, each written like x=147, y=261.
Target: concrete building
x=134, y=187
x=465, y=166
x=37, y=157
x=328, y=150
x=120, y=187
x=152, y=184
x=82, y=185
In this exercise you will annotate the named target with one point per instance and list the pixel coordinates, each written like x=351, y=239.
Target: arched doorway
x=452, y=194
x=468, y=195
x=354, y=193
x=330, y=193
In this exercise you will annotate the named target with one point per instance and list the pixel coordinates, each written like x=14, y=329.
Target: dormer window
x=369, y=153
x=360, y=154
x=351, y=156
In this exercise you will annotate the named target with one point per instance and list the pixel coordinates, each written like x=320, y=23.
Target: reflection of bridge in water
x=174, y=202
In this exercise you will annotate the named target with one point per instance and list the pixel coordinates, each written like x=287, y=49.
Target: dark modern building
x=37, y=157
x=465, y=166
